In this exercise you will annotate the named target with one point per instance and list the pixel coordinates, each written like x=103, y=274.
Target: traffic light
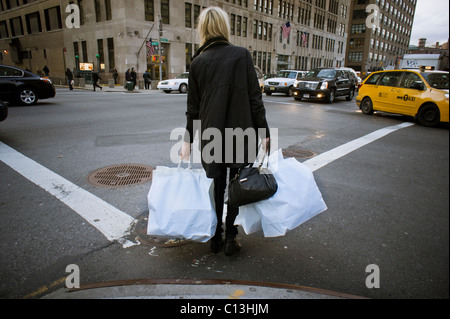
x=158, y=58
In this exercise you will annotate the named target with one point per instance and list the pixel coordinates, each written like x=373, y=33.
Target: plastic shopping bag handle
x=189, y=163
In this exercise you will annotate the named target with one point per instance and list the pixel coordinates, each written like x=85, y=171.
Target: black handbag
x=250, y=185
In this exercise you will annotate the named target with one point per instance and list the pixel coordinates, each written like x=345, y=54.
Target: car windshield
x=287, y=74
x=183, y=76
x=323, y=73
x=437, y=80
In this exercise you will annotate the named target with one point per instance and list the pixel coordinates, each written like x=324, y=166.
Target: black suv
x=17, y=85
x=325, y=84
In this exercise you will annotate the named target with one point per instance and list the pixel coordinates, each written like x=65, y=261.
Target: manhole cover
x=140, y=231
x=298, y=152
x=121, y=175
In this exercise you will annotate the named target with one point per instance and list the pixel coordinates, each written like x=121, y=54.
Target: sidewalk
x=195, y=289
x=116, y=88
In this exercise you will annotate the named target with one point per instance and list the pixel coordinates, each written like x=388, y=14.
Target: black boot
x=231, y=245
x=216, y=243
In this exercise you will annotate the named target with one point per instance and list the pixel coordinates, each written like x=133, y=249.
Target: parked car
x=283, y=82
x=3, y=111
x=180, y=83
x=353, y=76
x=17, y=85
x=324, y=84
x=423, y=95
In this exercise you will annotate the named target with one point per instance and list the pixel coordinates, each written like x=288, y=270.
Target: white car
x=283, y=83
x=180, y=83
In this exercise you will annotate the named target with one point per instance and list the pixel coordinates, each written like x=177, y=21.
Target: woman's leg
x=231, y=246
x=219, y=192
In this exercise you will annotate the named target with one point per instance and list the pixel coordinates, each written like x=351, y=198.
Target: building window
x=165, y=11
x=108, y=10
x=101, y=53
x=33, y=21
x=3, y=30
x=188, y=56
x=80, y=5
x=355, y=56
x=188, y=15
x=358, y=28
x=244, y=27
x=16, y=26
x=149, y=7
x=84, y=50
x=196, y=14
x=98, y=11
x=111, y=58
x=53, y=18
x=11, y=4
x=232, y=24
x=75, y=51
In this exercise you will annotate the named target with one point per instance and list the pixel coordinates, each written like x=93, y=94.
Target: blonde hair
x=213, y=22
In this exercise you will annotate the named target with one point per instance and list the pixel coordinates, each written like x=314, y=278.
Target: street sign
x=164, y=40
x=155, y=43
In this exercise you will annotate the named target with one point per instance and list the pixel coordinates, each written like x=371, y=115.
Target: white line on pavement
x=325, y=158
x=111, y=222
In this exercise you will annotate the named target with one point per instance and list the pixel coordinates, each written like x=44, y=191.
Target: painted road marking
x=111, y=222
x=323, y=159
x=115, y=224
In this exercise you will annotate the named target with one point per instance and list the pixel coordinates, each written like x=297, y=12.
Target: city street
x=388, y=199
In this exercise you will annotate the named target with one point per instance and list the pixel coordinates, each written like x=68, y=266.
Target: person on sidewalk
x=127, y=77
x=147, y=79
x=115, y=75
x=224, y=93
x=133, y=77
x=69, y=75
x=95, y=78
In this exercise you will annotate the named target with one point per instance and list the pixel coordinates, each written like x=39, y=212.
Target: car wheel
x=167, y=91
x=268, y=93
x=350, y=95
x=183, y=88
x=367, y=106
x=331, y=96
x=429, y=115
x=297, y=98
x=290, y=91
x=27, y=97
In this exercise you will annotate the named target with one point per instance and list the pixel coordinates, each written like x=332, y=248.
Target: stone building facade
x=113, y=34
x=379, y=46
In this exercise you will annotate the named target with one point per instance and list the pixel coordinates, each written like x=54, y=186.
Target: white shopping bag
x=297, y=200
x=249, y=218
x=181, y=204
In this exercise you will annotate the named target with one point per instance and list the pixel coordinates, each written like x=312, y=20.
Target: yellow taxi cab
x=420, y=93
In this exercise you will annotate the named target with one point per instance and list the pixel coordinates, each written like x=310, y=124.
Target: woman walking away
x=224, y=95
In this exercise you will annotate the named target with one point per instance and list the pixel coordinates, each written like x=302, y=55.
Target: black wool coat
x=224, y=94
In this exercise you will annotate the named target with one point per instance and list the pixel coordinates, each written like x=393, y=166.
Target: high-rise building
x=379, y=35
x=108, y=34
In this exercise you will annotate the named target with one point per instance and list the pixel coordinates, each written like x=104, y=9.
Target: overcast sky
x=431, y=22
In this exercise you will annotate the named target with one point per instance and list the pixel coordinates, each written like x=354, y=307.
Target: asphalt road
x=388, y=201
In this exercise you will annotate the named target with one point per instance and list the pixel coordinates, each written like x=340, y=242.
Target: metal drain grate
x=116, y=176
x=298, y=152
